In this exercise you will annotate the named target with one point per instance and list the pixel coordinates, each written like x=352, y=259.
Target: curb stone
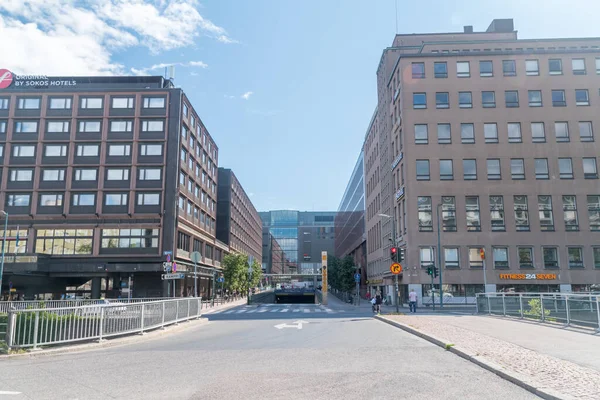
x=513, y=377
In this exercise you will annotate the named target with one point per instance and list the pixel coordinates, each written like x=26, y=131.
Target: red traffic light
x=394, y=250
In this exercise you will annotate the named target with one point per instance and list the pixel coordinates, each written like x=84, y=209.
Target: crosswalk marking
x=228, y=312
x=285, y=310
x=297, y=310
x=276, y=309
x=241, y=311
x=263, y=310
x=252, y=311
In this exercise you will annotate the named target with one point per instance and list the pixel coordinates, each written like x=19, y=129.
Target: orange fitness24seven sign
x=516, y=277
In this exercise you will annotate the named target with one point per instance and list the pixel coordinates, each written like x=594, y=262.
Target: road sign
x=482, y=253
x=396, y=268
x=174, y=267
x=172, y=276
x=167, y=265
x=167, y=253
x=357, y=277
x=220, y=279
x=195, y=257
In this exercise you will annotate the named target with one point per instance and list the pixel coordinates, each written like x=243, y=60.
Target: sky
x=285, y=87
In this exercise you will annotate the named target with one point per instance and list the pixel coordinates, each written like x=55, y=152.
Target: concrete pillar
x=566, y=288
x=418, y=290
x=96, y=287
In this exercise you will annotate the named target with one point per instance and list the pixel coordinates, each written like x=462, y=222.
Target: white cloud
x=67, y=37
x=247, y=95
x=162, y=66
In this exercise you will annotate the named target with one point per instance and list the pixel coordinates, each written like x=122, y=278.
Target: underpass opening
x=285, y=298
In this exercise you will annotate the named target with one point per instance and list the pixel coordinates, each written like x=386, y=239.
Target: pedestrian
x=378, y=301
x=373, y=304
x=412, y=301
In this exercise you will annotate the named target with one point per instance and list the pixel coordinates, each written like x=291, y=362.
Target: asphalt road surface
x=250, y=352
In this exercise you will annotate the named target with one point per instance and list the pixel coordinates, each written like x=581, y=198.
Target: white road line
x=318, y=310
x=252, y=311
x=328, y=310
x=228, y=312
x=275, y=310
x=217, y=312
x=285, y=310
x=241, y=311
x=306, y=310
x=296, y=310
x=9, y=393
x=263, y=310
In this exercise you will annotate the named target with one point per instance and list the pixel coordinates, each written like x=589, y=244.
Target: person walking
x=378, y=301
x=412, y=301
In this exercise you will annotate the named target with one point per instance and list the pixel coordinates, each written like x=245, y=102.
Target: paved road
x=338, y=354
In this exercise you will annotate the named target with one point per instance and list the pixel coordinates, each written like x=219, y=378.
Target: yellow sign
x=541, y=277
x=324, y=257
x=375, y=281
x=396, y=268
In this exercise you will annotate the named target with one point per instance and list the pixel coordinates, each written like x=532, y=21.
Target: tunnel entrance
x=294, y=299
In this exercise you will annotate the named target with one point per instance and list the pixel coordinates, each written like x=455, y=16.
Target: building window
x=486, y=68
x=151, y=150
x=490, y=132
x=596, y=251
x=497, y=213
x=115, y=199
x=154, y=102
x=85, y=174
x=565, y=168
x=550, y=257
x=181, y=202
x=443, y=133
x=465, y=100
x=4, y=103
x=153, y=126
x=192, y=142
x=509, y=68
x=500, y=255
x=538, y=134
x=512, y=98
x=18, y=200
x=517, y=168
x=190, y=184
x=418, y=70
x=57, y=127
x=83, y=199
x=555, y=66
x=90, y=150
x=148, y=199
x=541, y=168
x=440, y=69
x=488, y=99
x=23, y=151
x=575, y=257
x=475, y=260
x=89, y=126
x=426, y=256
x=570, y=213
x=545, y=213
x=119, y=150
x=493, y=169
x=442, y=100
x=535, y=98
x=419, y=100
x=182, y=177
x=585, y=131
x=91, y=102
x=582, y=97
x=590, y=170
x=28, y=104
x=469, y=170
x=183, y=156
x=129, y=238
x=424, y=206
x=191, y=163
x=514, y=132
x=21, y=175
x=122, y=102
x=558, y=98
x=467, y=133
x=578, y=65
x=463, y=69
x=593, y=205
x=26, y=127
x=448, y=214
x=562, y=131
x=421, y=137
x=2, y=126
x=64, y=241
x=117, y=174
x=473, y=217
x=51, y=200
x=532, y=67
x=121, y=126
x=53, y=175
x=446, y=170
x=451, y=257
x=525, y=257
x=521, y=213
x=150, y=174
x=60, y=103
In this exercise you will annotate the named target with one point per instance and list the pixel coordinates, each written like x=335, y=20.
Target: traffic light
x=429, y=270
x=394, y=254
x=435, y=272
x=401, y=254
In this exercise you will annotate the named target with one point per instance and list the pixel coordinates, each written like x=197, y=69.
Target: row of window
x=517, y=169
x=514, y=132
x=188, y=243
x=188, y=138
x=47, y=199
x=509, y=68
x=84, y=126
x=84, y=150
x=194, y=188
x=194, y=211
x=186, y=157
x=497, y=213
x=511, y=99
x=85, y=102
x=85, y=174
x=500, y=258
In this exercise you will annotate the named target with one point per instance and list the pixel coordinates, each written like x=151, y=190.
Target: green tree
x=257, y=274
x=341, y=273
x=235, y=272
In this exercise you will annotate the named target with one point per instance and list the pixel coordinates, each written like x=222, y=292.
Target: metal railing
x=566, y=308
x=6, y=306
x=31, y=328
x=450, y=300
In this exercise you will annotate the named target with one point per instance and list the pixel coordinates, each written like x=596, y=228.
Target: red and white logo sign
x=6, y=78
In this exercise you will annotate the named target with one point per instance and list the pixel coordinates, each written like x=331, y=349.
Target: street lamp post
x=3, y=249
x=439, y=244
x=393, y=239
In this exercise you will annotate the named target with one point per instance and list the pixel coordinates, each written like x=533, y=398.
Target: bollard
x=542, y=307
x=11, y=328
x=567, y=308
x=487, y=296
x=504, y=304
x=521, y=305
x=176, y=311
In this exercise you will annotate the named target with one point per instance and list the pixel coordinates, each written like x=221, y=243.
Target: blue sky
x=306, y=67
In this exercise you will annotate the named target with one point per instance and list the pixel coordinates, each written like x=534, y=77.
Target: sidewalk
x=551, y=360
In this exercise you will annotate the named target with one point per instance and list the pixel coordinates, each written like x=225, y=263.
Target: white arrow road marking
x=298, y=325
x=9, y=393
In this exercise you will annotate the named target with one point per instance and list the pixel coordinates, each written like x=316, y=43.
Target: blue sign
x=221, y=279
x=167, y=253
x=357, y=277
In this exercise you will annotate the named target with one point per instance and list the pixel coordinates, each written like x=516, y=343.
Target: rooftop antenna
x=172, y=72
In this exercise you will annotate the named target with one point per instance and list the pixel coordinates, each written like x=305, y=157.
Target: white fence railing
x=5, y=306
x=30, y=328
x=567, y=308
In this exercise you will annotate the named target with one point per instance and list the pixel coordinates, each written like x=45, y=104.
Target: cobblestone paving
x=543, y=371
